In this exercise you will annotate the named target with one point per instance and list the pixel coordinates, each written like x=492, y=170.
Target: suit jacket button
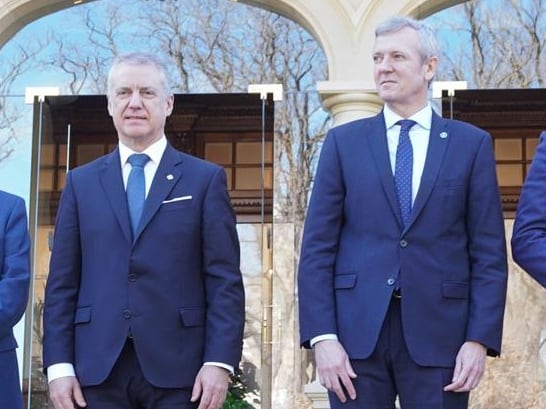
x=132, y=278
x=391, y=281
x=403, y=243
x=127, y=314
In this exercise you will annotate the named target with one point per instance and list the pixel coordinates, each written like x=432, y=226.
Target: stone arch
x=18, y=13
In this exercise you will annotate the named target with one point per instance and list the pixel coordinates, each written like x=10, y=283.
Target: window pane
x=251, y=152
x=62, y=155
x=508, y=149
x=251, y=178
x=220, y=153
x=47, y=155
x=61, y=176
x=531, y=147
x=248, y=178
x=510, y=175
x=87, y=153
x=268, y=176
x=46, y=180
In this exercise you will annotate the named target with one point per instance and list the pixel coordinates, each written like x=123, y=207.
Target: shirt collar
x=422, y=117
x=154, y=151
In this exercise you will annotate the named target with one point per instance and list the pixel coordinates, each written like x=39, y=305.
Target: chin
x=387, y=97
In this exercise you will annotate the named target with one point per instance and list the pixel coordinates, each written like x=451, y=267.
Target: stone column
x=348, y=101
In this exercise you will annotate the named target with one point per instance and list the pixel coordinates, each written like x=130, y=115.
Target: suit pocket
x=184, y=205
x=455, y=289
x=193, y=317
x=344, y=281
x=83, y=315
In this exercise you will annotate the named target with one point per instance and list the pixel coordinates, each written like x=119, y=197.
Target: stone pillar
x=348, y=101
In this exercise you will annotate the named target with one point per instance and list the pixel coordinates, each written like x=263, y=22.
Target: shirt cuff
x=324, y=337
x=227, y=367
x=56, y=371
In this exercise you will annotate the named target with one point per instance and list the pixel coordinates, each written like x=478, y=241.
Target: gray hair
x=139, y=58
x=428, y=43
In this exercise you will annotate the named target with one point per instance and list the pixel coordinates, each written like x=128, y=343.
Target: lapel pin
x=170, y=177
x=443, y=135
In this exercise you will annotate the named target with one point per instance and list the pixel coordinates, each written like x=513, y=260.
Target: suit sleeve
x=323, y=222
x=15, y=275
x=62, y=283
x=529, y=235
x=223, y=280
x=487, y=252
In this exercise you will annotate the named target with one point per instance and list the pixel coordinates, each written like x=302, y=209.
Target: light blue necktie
x=136, y=187
x=404, y=169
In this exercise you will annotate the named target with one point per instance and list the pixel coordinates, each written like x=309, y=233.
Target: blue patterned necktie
x=136, y=187
x=404, y=169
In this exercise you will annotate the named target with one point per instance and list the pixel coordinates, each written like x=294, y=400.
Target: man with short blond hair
x=402, y=276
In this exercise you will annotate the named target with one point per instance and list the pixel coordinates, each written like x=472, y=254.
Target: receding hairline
x=427, y=38
x=139, y=59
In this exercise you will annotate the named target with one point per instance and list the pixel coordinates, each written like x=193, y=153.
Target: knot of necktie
x=405, y=124
x=138, y=160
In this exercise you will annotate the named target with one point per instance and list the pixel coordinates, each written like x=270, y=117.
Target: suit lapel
x=377, y=138
x=112, y=183
x=167, y=175
x=439, y=139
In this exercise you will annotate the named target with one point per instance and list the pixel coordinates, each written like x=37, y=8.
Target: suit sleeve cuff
x=227, y=367
x=324, y=337
x=56, y=371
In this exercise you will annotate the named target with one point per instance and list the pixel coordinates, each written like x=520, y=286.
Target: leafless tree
x=12, y=68
x=85, y=62
x=494, y=44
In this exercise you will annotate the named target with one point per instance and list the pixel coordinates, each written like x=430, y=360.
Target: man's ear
x=169, y=105
x=109, y=106
x=430, y=68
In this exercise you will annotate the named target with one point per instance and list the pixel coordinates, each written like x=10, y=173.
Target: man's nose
x=136, y=100
x=385, y=64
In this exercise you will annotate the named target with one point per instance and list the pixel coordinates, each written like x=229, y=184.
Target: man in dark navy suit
x=14, y=284
x=144, y=304
x=402, y=277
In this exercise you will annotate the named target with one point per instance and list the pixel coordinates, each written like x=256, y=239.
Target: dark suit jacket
x=528, y=237
x=14, y=284
x=176, y=285
x=450, y=260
